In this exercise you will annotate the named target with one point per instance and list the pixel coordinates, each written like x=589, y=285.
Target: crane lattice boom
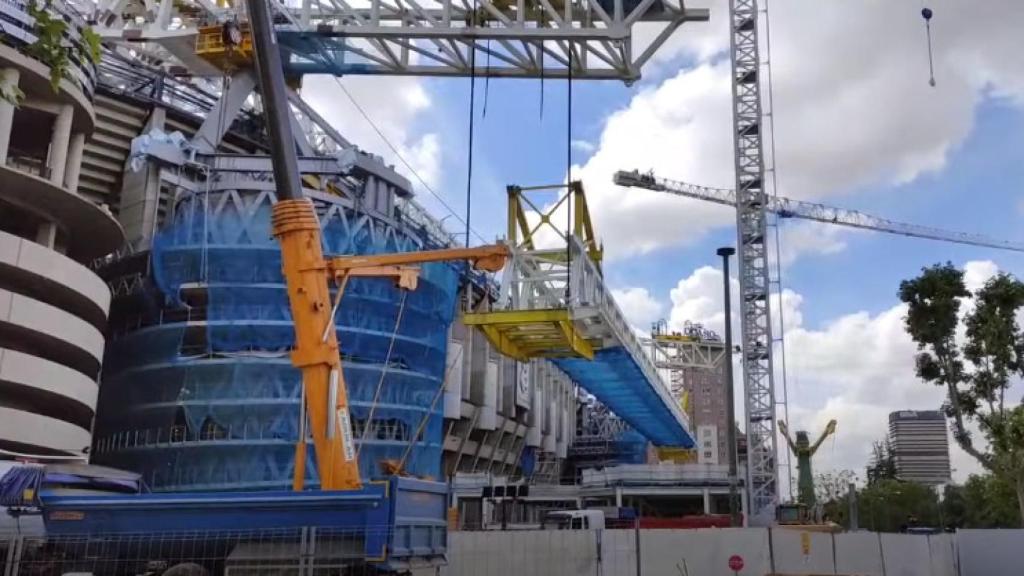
x=788, y=208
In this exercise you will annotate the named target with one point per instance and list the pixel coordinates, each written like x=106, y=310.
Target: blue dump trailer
x=392, y=525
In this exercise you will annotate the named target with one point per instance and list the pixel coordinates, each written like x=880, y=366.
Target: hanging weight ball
x=927, y=13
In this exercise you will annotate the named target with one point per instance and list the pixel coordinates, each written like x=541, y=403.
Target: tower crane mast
x=752, y=251
x=789, y=208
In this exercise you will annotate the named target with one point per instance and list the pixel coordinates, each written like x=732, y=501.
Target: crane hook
x=927, y=13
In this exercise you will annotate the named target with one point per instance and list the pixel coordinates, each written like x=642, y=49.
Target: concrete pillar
x=74, y=164
x=47, y=234
x=8, y=79
x=618, y=497
x=59, y=144
x=707, y=501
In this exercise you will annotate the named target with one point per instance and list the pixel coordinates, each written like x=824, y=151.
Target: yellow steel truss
x=521, y=209
x=525, y=334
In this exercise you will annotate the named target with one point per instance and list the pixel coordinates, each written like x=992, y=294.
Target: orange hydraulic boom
x=316, y=353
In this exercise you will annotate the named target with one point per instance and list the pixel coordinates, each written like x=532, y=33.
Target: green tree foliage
x=832, y=490
x=892, y=505
x=976, y=376
x=49, y=48
x=94, y=43
x=883, y=462
x=985, y=501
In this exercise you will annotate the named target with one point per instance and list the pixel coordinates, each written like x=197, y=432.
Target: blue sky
x=858, y=127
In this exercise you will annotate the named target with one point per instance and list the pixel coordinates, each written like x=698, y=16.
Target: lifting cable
x=568, y=177
x=383, y=373
x=540, y=55
x=926, y=13
x=487, y=78
x=469, y=153
x=426, y=415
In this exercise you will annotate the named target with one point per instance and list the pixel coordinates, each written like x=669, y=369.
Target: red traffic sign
x=735, y=563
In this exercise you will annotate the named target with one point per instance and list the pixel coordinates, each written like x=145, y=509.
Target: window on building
x=707, y=454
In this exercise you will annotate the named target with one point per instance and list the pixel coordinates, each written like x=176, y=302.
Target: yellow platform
x=677, y=455
x=210, y=46
x=525, y=334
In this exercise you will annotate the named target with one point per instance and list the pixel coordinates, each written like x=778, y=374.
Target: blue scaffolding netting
x=206, y=397
x=615, y=379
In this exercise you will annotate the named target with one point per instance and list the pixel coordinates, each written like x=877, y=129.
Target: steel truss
x=587, y=39
x=758, y=374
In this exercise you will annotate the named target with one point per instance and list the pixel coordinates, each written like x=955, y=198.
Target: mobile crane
x=307, y=274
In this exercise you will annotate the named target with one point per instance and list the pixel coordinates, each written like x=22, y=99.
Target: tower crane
x=752, y=251
x=789, y=208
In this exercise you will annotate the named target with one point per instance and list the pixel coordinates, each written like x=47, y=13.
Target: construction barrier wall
x=199, y=393
x=707, y=552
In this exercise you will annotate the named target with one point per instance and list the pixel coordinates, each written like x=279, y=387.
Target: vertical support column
x=8, y=81
x=47, y=234
x=59, y=144
x=73, y=167
x=707, y=501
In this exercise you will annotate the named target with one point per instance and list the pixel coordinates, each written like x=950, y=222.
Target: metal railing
x=296, y=551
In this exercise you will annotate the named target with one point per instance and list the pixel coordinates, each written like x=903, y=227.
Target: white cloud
x=809, y=238
x=641, y=309
x=853, y=108
x=856, y=368
x=394, y=105
x=977, y=272
x=583, y=146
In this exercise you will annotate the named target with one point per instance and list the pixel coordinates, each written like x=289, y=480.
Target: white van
x=574, y=520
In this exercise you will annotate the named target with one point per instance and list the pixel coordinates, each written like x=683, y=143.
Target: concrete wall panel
x=990, y=552
x=26, y=370
x=799, y=552
x=859, y=553
x=36, y=316
x=521, y=553
x=700, y=552
x=906, y=555
x=942, y=548
x=36, y=430
x=38, y=260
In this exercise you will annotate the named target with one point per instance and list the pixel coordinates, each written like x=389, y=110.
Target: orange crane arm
x=316, y=353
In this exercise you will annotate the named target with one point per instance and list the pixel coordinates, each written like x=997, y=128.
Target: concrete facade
x=53, y=309
x=707, y=410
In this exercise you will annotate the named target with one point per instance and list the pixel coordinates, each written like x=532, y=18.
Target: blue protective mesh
x=614, y=378
x=215, y=400
x=631, y=448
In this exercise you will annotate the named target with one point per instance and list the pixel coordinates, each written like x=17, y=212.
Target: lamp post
x=730, y=398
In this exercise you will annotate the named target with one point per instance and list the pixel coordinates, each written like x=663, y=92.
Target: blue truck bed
x=398, y=523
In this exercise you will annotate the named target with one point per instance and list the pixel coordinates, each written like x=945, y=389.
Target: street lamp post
x=730, y=398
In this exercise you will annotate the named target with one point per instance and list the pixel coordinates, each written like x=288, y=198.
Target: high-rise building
x=705, y=390
x=920, y=446
x=53, y=308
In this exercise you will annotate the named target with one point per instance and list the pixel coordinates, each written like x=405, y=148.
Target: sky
x=856, y=125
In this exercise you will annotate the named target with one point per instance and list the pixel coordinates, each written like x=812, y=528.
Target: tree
x=891, y=505
x=990, y=502
x=883, y=462
x=977, y=375
x=832, y=490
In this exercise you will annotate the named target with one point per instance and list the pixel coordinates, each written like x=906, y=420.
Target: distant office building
x=707, y=410
x=920, y=446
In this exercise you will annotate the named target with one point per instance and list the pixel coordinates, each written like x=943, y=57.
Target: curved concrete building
x=53, y=308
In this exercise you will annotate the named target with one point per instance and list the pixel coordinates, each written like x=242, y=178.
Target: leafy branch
x=49, y=47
